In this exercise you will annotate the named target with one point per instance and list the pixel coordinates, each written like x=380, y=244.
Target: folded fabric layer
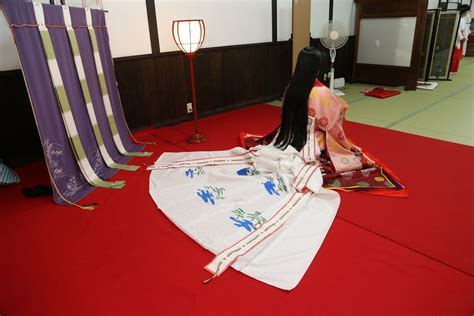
x=381, y=93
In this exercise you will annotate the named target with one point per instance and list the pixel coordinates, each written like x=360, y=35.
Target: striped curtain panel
x=85, y=137
x=87, y=95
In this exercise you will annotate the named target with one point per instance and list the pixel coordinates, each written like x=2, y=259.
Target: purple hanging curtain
x=98, y=18
x=83, y=39
x=68, y=181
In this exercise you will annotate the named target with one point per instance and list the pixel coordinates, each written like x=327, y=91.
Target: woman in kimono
x=264, y=210
x=314, y=101
x=310, y=107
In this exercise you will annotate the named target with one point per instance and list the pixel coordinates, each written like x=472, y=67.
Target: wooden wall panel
x=226, y=78
x=155, y=89
x=391, y=8
x=19, y=140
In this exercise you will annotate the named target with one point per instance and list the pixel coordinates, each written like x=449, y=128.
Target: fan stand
x=332, y=53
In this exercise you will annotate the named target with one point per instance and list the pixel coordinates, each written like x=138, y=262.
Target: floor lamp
x=189, y=36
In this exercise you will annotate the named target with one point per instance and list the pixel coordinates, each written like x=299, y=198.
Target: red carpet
x=383, y=256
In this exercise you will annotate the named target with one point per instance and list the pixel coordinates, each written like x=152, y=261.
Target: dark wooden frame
x=274, y=21
x=430, y=48
x=391, y=75
x=439, y=12
x=153, y=26
x=440, y=6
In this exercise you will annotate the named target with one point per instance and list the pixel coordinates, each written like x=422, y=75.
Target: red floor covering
x=383, y=256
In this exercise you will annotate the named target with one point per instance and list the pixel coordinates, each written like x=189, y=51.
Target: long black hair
x=294, y=114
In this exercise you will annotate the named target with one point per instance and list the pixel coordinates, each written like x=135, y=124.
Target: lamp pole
x=196, y=138
x=189, y=36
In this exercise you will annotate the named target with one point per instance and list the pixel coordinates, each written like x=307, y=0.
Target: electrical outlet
x=189, y=106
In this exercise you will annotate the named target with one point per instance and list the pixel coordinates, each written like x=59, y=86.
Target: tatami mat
x=445, y=113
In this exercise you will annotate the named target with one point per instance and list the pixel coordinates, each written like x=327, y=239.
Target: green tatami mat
x=445, y=113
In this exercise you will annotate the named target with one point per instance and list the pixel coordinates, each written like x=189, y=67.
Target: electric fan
x=334, y=36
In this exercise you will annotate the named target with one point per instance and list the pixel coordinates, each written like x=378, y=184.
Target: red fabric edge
x=384, y=192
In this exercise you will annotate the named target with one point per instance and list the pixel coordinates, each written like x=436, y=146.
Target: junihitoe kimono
x=345, y=166
x=262, y=210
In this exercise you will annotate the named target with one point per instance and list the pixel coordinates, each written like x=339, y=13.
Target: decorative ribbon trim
x=13, y=25
x=137, y=141
x=310, y=151
x=227, y=257
x=305, y=174
x=245, y=158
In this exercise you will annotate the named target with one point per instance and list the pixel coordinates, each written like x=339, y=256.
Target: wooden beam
x=331, y=10
x=153, y=26
x=274, y=21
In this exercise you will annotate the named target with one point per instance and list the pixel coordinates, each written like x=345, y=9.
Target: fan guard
x=334, y=35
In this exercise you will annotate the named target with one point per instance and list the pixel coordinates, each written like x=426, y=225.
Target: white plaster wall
x=284, y=19
x=8, y=55
x=432, y=4
x=344, y=11
x=128, y=27
x=127, y=24
x=319, y=16
x=228, y=22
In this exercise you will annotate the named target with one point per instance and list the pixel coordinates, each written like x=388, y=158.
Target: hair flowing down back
x=294, y=115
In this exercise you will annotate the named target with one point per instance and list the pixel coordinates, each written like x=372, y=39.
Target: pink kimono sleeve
x=324, y=107
x=329, y=110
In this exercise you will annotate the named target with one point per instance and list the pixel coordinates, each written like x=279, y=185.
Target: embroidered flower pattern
x=323, y=122
x=210, y=194
x=345, y=161
x=248, y=221
x=273, y=188
x=191, y=173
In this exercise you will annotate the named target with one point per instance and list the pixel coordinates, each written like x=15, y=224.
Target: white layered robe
x=246, y=204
